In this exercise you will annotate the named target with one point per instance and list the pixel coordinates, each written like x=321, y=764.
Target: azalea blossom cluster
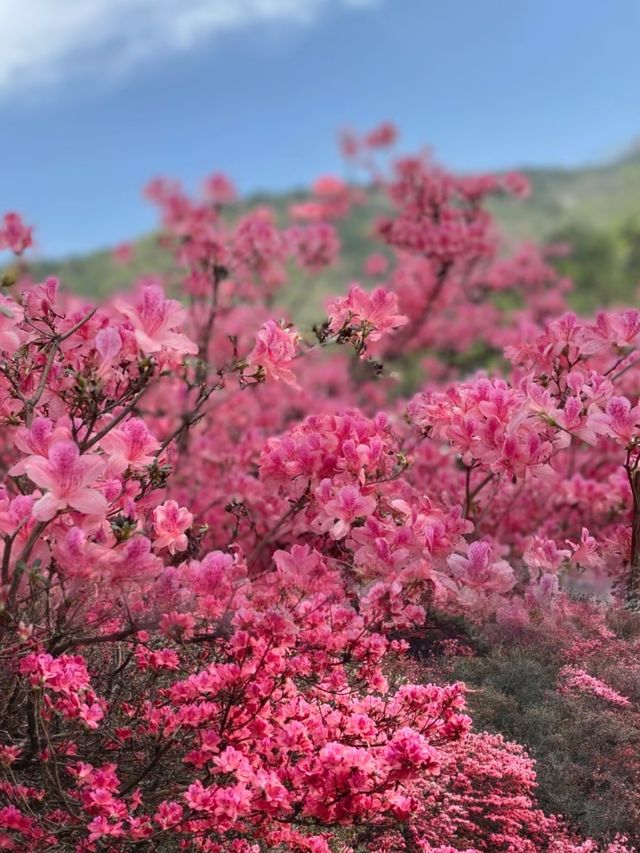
x=14, y=234
x=220, y=533
x=563, y=421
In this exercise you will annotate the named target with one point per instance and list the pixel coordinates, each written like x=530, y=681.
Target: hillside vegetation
x=594, y=212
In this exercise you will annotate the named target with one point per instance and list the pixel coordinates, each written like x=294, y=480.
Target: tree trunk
x=633, y=579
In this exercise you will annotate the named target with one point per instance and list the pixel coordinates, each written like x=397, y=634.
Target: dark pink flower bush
x=222, y=535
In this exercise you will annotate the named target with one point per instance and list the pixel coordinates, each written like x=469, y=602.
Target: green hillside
x=596, y=210
x=598, y=197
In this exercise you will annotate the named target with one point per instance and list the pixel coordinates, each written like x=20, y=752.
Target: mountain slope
x=599, y=197
x=596, y=203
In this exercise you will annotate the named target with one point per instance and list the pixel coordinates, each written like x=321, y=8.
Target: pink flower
x=100, y=827
x=409, y=750
x=375, y=264
x=176, y=624
x=169, y=814
x=91, y=714
x=315, y=246
x=619, y=420
x=478, y=569
x=108, y=345
x=134, y=559
x=274, y=351
x=382, y=136
x=170, y=522
x=155, y=321
x=14, y=234
x=544, y=555
x=585, y=552
x=67, y=476
x=10, y=315
x=37, y=439
x=376, y=313
x=130, y=446
x=343, y=510
x=219, y=189
x=574, y=678
x=516, y=184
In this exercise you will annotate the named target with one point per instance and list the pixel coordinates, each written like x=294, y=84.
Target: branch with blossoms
x=89, y=564
x=218, y=537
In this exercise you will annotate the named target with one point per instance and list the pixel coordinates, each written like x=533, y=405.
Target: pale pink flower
x=585, y=552
x=91, y=714
x=156, y=320
x=108, y=346
x=626, y=326
x=328, y=186
x=37, y=439
x=130, y=446
x=274, y=352
x=100, y=827
x=170, y=522
x=544, y=555
x=620, y=420
x=68, y=477
x=11, y=314
x=478, y=570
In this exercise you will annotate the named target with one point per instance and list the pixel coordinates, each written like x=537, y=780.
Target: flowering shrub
x=222, y=534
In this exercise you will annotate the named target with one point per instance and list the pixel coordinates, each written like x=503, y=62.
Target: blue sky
x=98, y=96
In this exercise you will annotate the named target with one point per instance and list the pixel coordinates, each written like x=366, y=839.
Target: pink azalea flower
x=10, y=315
x=108, y=345
x=36, y=440
x=620, y=420
x=100, y=827
x=347, y=505
x=274, y=352
x=478, y=569
x=376, y=311
x=67, y=476
x=575, y=678
x=130, y=446
x=91, y=714
x=156, y=320
x=219, y=189
x=382, y=136
x=375, y=264
x=14, y=234
x=544, y=555
x=170, y=522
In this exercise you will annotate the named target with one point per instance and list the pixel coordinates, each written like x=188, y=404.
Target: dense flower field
x=244, y=565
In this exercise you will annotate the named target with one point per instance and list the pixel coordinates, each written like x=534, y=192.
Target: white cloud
x=51, y=40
